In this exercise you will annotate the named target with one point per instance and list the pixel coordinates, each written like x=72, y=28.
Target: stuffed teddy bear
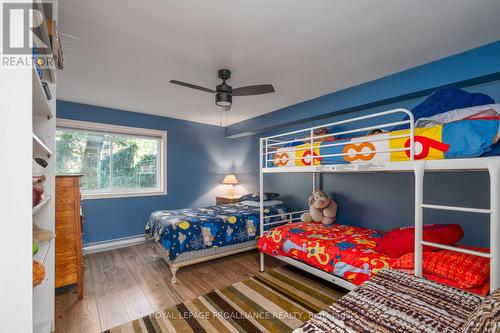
x=321, y=209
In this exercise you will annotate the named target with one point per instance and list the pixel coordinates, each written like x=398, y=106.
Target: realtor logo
x=25, y=28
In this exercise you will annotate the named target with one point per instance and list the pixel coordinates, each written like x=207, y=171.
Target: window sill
x=93, y=196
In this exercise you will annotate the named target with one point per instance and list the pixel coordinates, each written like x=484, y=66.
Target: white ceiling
x=129, y=50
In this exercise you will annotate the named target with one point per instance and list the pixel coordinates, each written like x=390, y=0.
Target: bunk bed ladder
x=419, y=170
x=494, y=173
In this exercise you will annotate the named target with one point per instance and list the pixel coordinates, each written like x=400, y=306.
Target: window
x=115, y=161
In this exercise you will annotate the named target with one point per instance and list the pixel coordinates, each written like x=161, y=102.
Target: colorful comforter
x=186, y=230
x=462, y=133
x=346, y=251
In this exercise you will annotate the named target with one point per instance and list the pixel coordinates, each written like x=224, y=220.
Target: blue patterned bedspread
x=186, y=230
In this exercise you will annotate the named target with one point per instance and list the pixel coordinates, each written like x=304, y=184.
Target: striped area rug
x=276, y=301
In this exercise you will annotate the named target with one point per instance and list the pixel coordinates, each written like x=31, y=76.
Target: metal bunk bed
x=269, y=146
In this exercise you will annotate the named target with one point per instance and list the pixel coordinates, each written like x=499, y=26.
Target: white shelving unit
x=43, y=250
x=42, y=203
x=40, y=149
x=44, y=326
x=48, y=73
x=41, y=106
x=44, y=130
x=44, y=127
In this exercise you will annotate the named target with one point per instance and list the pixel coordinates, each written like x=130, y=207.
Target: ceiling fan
x=224, y=92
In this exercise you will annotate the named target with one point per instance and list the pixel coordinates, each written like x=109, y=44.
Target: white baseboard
x=113, y=244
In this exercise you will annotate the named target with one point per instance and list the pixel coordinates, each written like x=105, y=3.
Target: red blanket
x=345, y=251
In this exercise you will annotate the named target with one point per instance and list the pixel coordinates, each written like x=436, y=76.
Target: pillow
x=486, y=318
x=268, y=203
x=400, y=241
x=482, y=290
x=255, y=196
x=445, y=100
x=467, y=270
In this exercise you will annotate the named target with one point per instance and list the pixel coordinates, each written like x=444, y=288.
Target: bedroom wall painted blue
x=468, y=68
x=385, y=201
x=197, y=161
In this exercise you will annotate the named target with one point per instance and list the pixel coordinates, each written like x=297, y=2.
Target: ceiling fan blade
x=254, y=90
x=192, y=86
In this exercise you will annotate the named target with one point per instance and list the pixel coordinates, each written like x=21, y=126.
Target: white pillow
x=267, y=203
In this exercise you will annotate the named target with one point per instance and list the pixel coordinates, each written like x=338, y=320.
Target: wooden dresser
x=68, y=256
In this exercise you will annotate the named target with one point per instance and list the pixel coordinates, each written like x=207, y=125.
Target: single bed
x=350, y=253
x=347, y=252
x=188, y=236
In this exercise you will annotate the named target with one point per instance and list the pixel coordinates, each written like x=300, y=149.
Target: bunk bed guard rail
x=283, y=150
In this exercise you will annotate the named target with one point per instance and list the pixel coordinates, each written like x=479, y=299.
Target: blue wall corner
x=465, y=69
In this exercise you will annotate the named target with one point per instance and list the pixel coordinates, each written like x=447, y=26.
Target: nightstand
x=224, y=199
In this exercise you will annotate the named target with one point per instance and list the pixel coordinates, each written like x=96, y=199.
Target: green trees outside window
x=109, y=162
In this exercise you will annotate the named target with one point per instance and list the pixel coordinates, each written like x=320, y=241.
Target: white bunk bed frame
x=269, y=145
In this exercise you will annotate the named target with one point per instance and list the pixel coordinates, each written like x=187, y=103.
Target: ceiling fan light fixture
x=223, y=99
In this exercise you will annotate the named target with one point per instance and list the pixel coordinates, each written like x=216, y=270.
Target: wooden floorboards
x=125, y=284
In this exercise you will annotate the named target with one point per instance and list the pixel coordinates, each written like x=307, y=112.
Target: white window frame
x=124, y=130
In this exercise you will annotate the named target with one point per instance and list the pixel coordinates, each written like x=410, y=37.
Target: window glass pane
x=134, y=163
x=147, y=164
x=86, y=154
x=103, y=165
x=109, y=162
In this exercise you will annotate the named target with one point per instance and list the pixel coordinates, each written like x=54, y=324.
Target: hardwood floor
x=125, y=284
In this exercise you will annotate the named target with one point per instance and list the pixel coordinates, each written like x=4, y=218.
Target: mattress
x=186, y=230
x=395, y=301
x=345, y=251
x=464, y=133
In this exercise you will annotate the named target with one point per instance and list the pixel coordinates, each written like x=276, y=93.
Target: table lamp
x=230, y=180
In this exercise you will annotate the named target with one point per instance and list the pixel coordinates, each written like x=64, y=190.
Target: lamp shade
x=230, y=179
